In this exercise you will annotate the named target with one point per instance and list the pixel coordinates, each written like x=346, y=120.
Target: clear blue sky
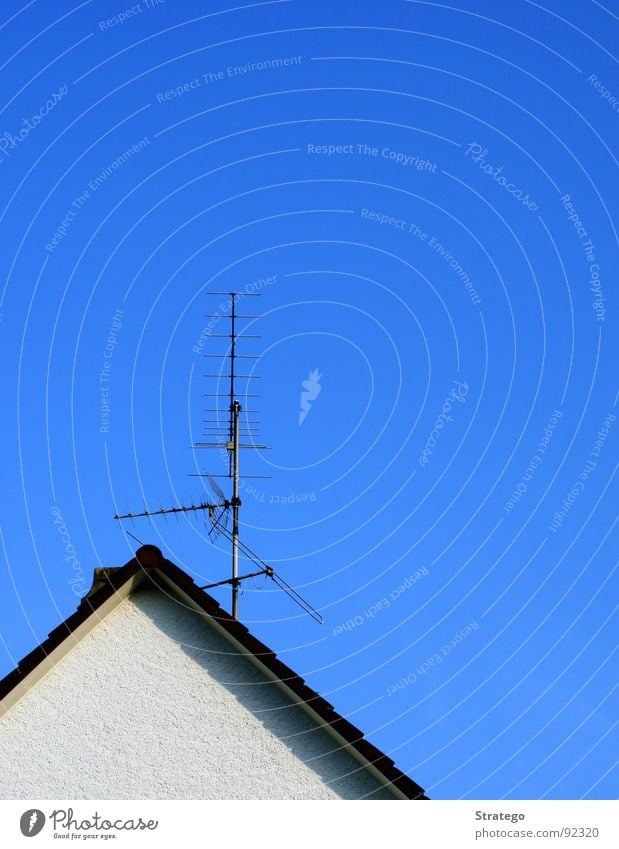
x=428, y=193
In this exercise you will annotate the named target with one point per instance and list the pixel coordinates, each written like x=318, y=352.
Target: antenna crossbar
x=237, y=294
x=224, y=445
x=245, y=477
x=268, y=572
x=203, y=505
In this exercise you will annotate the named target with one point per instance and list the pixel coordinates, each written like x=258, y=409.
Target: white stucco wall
x=154, y=704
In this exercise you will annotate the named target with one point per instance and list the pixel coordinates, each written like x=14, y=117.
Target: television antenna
x=226, y=431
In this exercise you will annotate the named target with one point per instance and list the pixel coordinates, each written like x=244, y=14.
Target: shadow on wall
x=262, y=698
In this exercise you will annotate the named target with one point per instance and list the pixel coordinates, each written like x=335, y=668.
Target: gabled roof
x=112, y=586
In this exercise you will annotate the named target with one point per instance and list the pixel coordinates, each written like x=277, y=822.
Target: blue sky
x=425, y=197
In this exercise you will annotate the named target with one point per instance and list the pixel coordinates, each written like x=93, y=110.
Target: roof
x=111, y=586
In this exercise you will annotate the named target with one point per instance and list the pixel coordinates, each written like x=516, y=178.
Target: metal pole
x=232, y=353
x=234, y=437
x=235, y=513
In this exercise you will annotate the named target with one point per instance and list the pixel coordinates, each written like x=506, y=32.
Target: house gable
x=154, y=703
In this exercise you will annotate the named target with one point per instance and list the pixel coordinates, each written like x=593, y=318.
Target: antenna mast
x=233, y=444
x=236, y=503
x=235, y=410
x=231, y=432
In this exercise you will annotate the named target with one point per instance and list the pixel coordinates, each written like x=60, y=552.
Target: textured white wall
x=155, y=704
